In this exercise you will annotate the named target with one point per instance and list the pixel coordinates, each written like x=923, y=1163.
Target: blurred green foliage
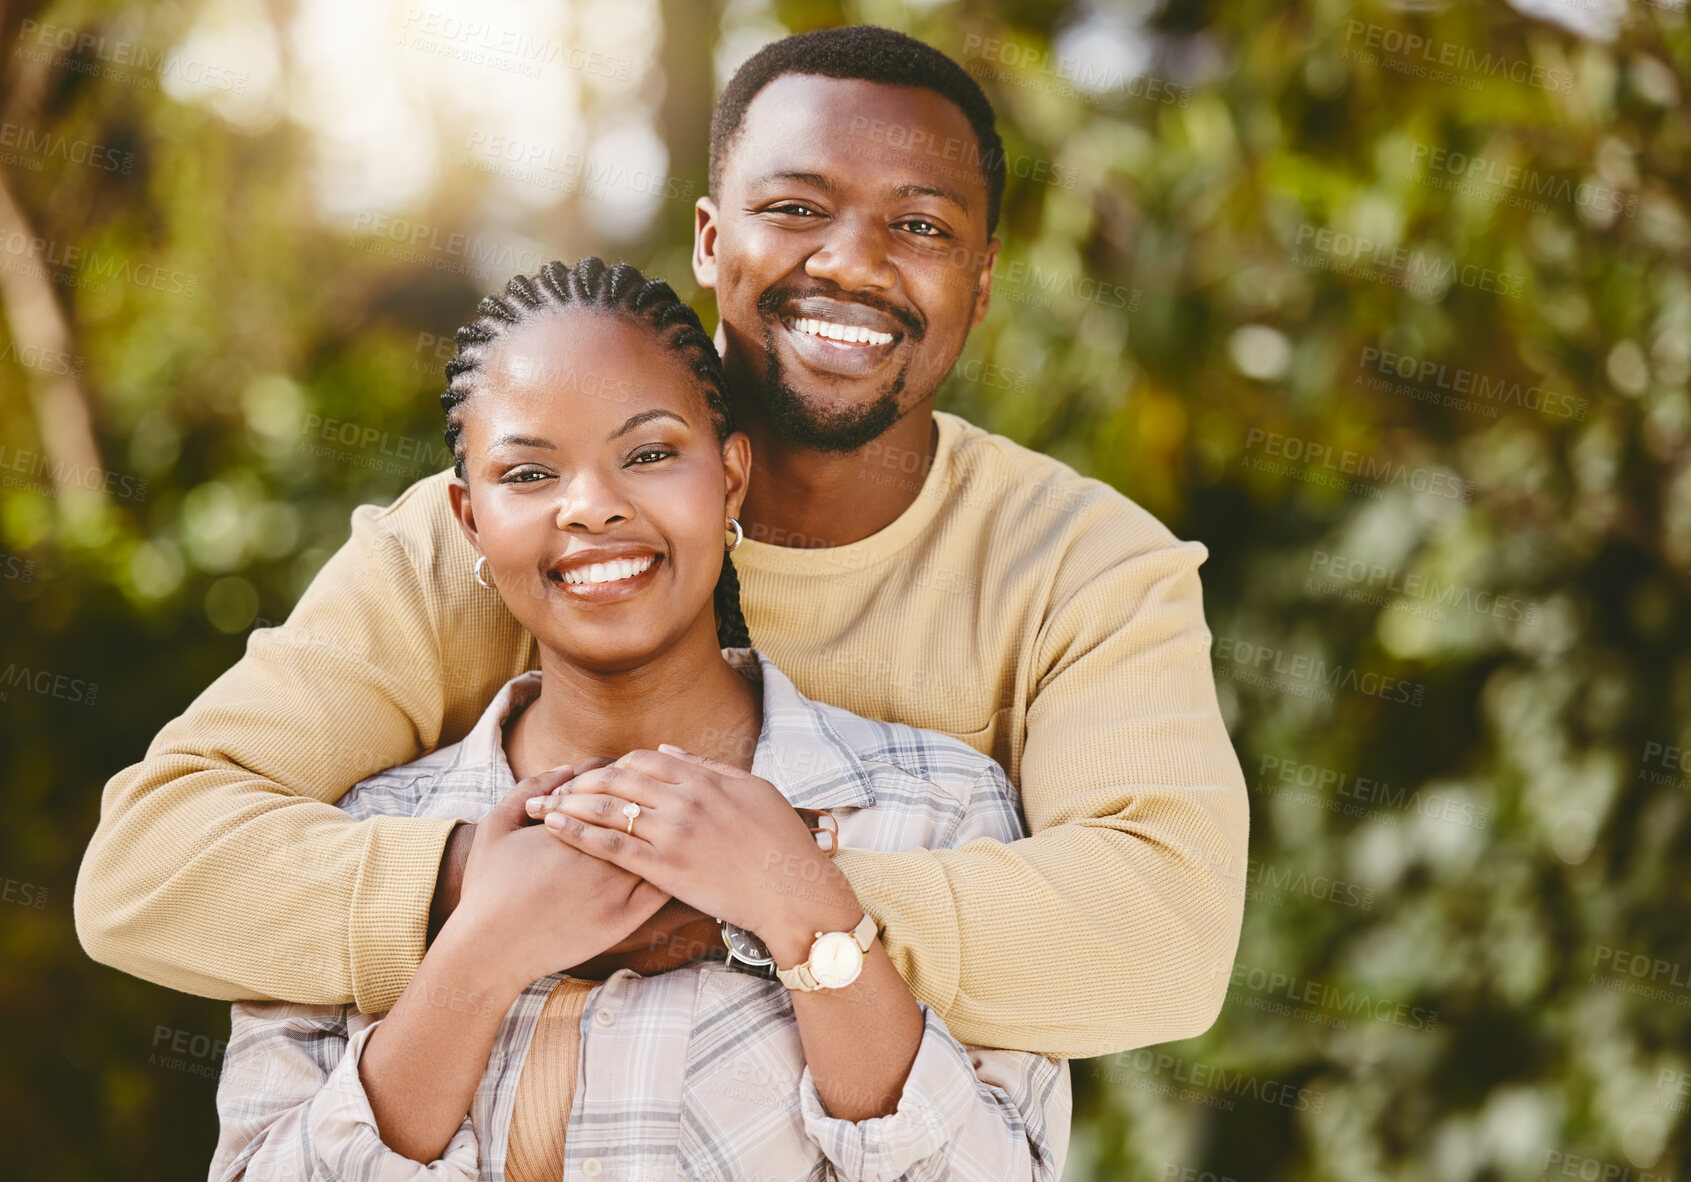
x=1443, y=478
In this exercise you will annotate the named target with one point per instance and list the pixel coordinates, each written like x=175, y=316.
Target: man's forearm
x=450, y=880
x=1082, y=940
x=342, y=905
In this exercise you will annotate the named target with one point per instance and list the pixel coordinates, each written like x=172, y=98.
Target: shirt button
x=603, y=1018
x=592, y=1166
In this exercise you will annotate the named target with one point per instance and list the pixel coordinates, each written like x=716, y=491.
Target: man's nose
x=853, y=256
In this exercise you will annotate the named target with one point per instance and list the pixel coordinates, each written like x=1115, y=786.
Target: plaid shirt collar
x=798, y=748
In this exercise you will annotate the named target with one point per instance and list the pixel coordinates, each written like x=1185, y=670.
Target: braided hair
x=619, y=290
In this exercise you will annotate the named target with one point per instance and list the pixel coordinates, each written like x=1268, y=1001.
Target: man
x=899, y=563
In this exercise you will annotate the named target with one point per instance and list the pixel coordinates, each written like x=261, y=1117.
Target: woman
x=598, y=479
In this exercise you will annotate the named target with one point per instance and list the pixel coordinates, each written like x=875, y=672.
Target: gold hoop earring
x=481, y=562
x=739, y=535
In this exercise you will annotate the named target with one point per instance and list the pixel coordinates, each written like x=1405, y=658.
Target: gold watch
x=836, y=958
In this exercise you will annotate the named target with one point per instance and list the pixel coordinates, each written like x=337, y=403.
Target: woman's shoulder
x=924, y=783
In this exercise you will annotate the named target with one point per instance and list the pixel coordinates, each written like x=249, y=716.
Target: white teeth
x=608, y=572
x=845, y=333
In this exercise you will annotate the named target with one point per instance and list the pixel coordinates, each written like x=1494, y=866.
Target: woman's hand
x=537, y=906
x=711, y=835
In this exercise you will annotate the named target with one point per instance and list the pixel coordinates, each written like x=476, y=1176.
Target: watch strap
x=766, y=971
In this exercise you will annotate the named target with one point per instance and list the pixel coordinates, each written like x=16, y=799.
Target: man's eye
x=930, y=231
x=793, y=208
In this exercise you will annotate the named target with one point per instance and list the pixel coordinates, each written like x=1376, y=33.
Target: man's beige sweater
x=1035, y=614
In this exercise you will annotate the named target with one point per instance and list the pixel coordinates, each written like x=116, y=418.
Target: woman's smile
x=605, y=575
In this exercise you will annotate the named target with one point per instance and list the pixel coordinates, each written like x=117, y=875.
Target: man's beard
x=810, y=427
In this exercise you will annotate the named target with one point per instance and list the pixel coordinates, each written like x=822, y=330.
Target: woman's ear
x=737, y=469
x=458, y=492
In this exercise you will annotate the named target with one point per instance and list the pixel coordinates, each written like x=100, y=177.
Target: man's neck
x=802, y=497
x=689, y=697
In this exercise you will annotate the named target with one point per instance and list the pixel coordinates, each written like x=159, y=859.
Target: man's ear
x=983, y=286
x=737, y=467
x=458, y=492
x=704, y=242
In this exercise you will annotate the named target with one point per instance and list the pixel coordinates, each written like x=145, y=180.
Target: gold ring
x=631, y=810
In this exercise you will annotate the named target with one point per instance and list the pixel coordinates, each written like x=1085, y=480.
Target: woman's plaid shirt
x=696, y=1073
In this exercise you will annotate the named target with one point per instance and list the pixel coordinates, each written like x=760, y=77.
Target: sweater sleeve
x=1115, y=923
x=220, y=865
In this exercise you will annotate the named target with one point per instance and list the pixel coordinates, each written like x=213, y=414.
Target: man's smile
x=842, y=336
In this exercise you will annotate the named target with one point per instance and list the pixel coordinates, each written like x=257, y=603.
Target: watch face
x=744, y=945
x=835, y=960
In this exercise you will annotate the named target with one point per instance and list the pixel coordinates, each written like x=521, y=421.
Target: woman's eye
x=525, y=476
x=650, y=455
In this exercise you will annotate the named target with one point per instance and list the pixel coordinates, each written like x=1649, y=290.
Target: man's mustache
x=771, y=302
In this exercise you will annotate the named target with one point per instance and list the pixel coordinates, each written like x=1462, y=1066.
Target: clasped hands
x=554, y=881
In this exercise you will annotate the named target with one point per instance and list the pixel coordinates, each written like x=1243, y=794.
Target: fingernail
x=825, y=842
x=535, y=804
x=554, y=820
x=671, y=749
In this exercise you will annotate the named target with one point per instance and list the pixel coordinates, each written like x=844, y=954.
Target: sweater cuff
x=346, y=1142
x=909, y=896
x=933, y=1109
x=389, y=924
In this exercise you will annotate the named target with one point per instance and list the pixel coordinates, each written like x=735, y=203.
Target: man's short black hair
x=865, y=53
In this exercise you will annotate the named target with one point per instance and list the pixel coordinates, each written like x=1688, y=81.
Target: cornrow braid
x=617, y=290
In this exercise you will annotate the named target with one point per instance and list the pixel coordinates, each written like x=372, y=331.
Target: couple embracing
x=581, y=830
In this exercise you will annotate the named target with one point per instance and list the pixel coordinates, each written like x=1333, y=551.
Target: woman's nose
x=592, y=503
